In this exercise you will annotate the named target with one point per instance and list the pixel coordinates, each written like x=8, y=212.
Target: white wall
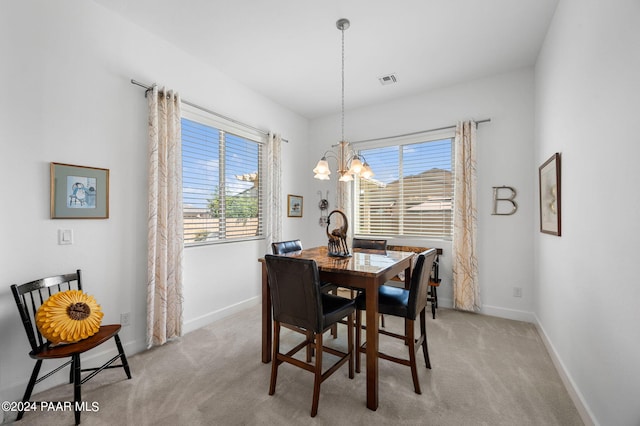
x=587, y=87
x=505, y=150
x=66, y=68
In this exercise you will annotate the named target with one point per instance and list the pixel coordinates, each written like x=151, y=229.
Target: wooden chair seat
x=63, y=350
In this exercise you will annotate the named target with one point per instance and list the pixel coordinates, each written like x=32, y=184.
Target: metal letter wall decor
x=510, y=199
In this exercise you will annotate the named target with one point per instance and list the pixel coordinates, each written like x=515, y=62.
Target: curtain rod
x=264, y=132
x=486, y=120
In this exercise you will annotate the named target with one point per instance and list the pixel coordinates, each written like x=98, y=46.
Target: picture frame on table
x=79, y=192
x=550, y=196
x=294, y=205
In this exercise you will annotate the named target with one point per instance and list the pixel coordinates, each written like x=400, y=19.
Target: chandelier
x=349, y=162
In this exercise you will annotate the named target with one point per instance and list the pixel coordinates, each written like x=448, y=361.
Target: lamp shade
x=356, y=166
x=346, y=177
x=366, y=171
x=322, y=167
x=321, y=176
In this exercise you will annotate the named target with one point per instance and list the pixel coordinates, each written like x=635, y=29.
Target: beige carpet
x=486, y=371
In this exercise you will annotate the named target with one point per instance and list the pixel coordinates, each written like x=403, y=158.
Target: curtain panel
x=466, y=292
x=165, y=218
x=273, y=208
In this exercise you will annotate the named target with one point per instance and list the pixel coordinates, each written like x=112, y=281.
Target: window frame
x=233, y=128
x=432, y=136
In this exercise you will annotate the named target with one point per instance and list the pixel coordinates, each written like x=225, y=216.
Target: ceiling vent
x=388, y=79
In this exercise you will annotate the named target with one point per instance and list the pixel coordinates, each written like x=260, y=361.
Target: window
x=221, y=180
x=411, y=193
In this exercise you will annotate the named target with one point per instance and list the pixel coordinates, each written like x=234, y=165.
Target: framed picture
x=549, y=174
x=79, y=192
x=294, y=205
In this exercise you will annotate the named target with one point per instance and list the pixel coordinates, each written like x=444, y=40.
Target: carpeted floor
x=486, y=371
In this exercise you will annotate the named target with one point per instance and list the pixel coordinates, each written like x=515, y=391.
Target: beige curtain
x=274, y=192
x=466, y=292
x=165, y=232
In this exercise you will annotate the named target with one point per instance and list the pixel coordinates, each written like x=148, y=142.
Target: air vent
x=388, y=79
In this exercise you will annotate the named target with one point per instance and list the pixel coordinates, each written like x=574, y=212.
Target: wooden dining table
x=365, y=269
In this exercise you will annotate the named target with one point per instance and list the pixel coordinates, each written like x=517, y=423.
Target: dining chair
x=29, y=297
x=291, y=246
x=407, y=304
x=298, y=301
x=371, y=244
x=434, y=280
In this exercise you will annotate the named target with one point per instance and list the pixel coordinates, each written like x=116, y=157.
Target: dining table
x=363, y=269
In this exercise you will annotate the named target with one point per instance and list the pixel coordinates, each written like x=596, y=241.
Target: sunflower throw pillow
x=68, y=317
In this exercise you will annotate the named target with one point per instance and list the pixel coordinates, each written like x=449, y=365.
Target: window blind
x=411, y=193
x=222, y=185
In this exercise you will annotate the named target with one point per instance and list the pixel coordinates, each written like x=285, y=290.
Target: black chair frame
x=29, y=297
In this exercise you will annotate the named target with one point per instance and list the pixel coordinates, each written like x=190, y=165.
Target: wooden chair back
x=30, y=296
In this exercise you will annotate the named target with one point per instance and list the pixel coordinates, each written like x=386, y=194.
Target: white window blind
x=222, y=185
x=411, y=193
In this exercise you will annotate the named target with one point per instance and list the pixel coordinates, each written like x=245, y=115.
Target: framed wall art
x=549, y=175
x=294, y=205
x=79, y=192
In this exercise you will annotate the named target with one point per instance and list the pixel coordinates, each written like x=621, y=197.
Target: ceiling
x=290, y=50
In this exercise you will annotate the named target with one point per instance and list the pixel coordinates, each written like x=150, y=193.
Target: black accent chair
x=406, y=304
x=298, y=301
x=28, y=298
x=369, y=244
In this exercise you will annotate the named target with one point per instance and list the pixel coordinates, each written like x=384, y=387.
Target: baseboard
x=583, y=409
x=214, y=316
x=512, y=314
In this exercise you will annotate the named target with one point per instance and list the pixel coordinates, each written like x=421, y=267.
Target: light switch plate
x=65, y=236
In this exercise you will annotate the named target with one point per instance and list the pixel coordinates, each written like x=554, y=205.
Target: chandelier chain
x=342, y=30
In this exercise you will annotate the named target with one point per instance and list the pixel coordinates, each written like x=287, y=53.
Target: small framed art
x=294, y=205
x=549, y=175
x=79, y=192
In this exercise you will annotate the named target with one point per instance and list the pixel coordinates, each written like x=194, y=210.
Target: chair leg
x=382, y=320
x=71, y=371
x=434, y=301
x=411, y=341
x=310, y=349
x=350, y=343
x=77, y=387
x=32, y=383
x=123, y=357
x=423, y=332
x=318, y=375
x=358, y=339
x=334, y=327
x=274, y=357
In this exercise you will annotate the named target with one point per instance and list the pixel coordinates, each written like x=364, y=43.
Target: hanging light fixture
x=349, y=163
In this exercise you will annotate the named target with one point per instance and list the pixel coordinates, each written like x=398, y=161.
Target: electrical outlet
x=517, y=292
x=125, y=318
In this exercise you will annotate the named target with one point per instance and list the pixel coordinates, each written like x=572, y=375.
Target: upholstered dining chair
x=284, y=247
x=407, y=304
x=298, y=301
x=291, y=246
x=29, y=297
x=371, y=244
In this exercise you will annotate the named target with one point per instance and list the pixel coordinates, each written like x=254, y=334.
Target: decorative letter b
x=510, y=199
